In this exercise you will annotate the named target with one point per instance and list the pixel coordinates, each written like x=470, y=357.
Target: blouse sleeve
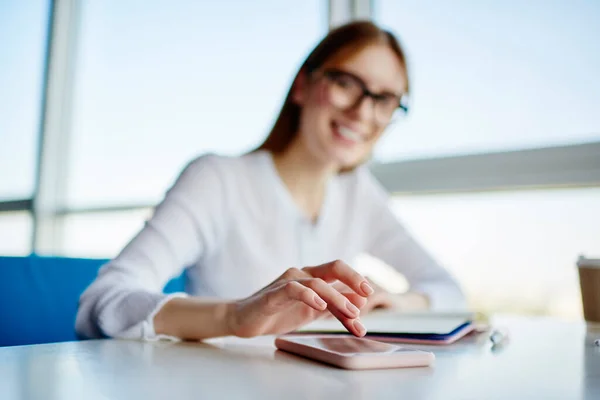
x=187, y=225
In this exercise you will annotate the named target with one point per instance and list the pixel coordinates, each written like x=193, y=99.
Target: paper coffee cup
x=589, y=280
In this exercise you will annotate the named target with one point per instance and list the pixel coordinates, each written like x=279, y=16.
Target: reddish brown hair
x=340, y=44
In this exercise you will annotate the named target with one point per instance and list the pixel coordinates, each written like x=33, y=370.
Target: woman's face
x=339, y=124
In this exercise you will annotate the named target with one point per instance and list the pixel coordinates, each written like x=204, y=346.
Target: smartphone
x=350, y=352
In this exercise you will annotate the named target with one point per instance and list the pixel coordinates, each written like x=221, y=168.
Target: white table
x=545, y=359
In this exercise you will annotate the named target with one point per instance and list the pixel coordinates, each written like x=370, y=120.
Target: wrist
x=194, y=318
x=228, y=318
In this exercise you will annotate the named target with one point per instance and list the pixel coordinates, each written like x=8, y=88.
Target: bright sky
x=22, y=36
x=496, y=75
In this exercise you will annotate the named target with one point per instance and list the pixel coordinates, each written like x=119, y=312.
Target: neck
x=305, y=177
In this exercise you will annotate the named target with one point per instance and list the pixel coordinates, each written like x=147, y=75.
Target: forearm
x=193, y=318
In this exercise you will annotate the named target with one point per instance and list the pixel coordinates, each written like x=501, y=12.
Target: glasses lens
x=345, y=91
x=397, y=115
x=389, y=109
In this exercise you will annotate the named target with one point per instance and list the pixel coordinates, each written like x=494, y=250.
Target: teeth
x=349, y=134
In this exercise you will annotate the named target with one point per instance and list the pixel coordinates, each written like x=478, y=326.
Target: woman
x=302, y=199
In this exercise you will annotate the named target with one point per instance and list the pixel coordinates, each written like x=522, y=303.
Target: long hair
x=340, y=44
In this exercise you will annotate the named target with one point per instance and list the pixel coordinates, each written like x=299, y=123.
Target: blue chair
x=39, y=297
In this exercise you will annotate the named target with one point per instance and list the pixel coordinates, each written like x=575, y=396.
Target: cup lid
x=588, y=262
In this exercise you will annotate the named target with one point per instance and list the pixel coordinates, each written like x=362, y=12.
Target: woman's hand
x=300, y=296
x=382, y=299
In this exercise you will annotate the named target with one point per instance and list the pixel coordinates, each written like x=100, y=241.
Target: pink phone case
x=383, y=355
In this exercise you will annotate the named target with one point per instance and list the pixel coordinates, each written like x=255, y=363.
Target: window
x=100, y=234
x=159, y=84
x=512, y=251
x=495, y=75
x=16, y=229
x=23, y=27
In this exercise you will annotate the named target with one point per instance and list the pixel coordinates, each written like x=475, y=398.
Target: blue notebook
x=427, y=328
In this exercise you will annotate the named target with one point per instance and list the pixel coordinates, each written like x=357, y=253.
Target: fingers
x=339, y=270
x=336, y=302
x=358, y=300
x=292, y=291
x=353, y=325
x=341, y=306
x=341, y=287
x=309, y=286
x=291, y=273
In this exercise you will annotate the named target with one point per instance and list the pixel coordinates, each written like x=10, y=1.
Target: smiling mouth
x=347, y=134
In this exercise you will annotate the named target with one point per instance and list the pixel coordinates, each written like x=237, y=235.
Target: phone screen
x=349, y=345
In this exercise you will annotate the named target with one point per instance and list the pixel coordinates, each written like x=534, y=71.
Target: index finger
x=339, y=270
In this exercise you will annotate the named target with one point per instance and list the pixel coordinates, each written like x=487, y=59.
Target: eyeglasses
x=347, y=91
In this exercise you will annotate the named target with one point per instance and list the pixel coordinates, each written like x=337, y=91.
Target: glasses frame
x=333, y=75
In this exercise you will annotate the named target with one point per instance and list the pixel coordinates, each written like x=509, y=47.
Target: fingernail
x=320, y=302
x=366, y=288
x=352, y=308
x=359, y=327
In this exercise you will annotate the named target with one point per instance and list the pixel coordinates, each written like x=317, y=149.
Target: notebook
x=420, y=328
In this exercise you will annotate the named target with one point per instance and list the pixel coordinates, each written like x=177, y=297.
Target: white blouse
x=234, y=224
